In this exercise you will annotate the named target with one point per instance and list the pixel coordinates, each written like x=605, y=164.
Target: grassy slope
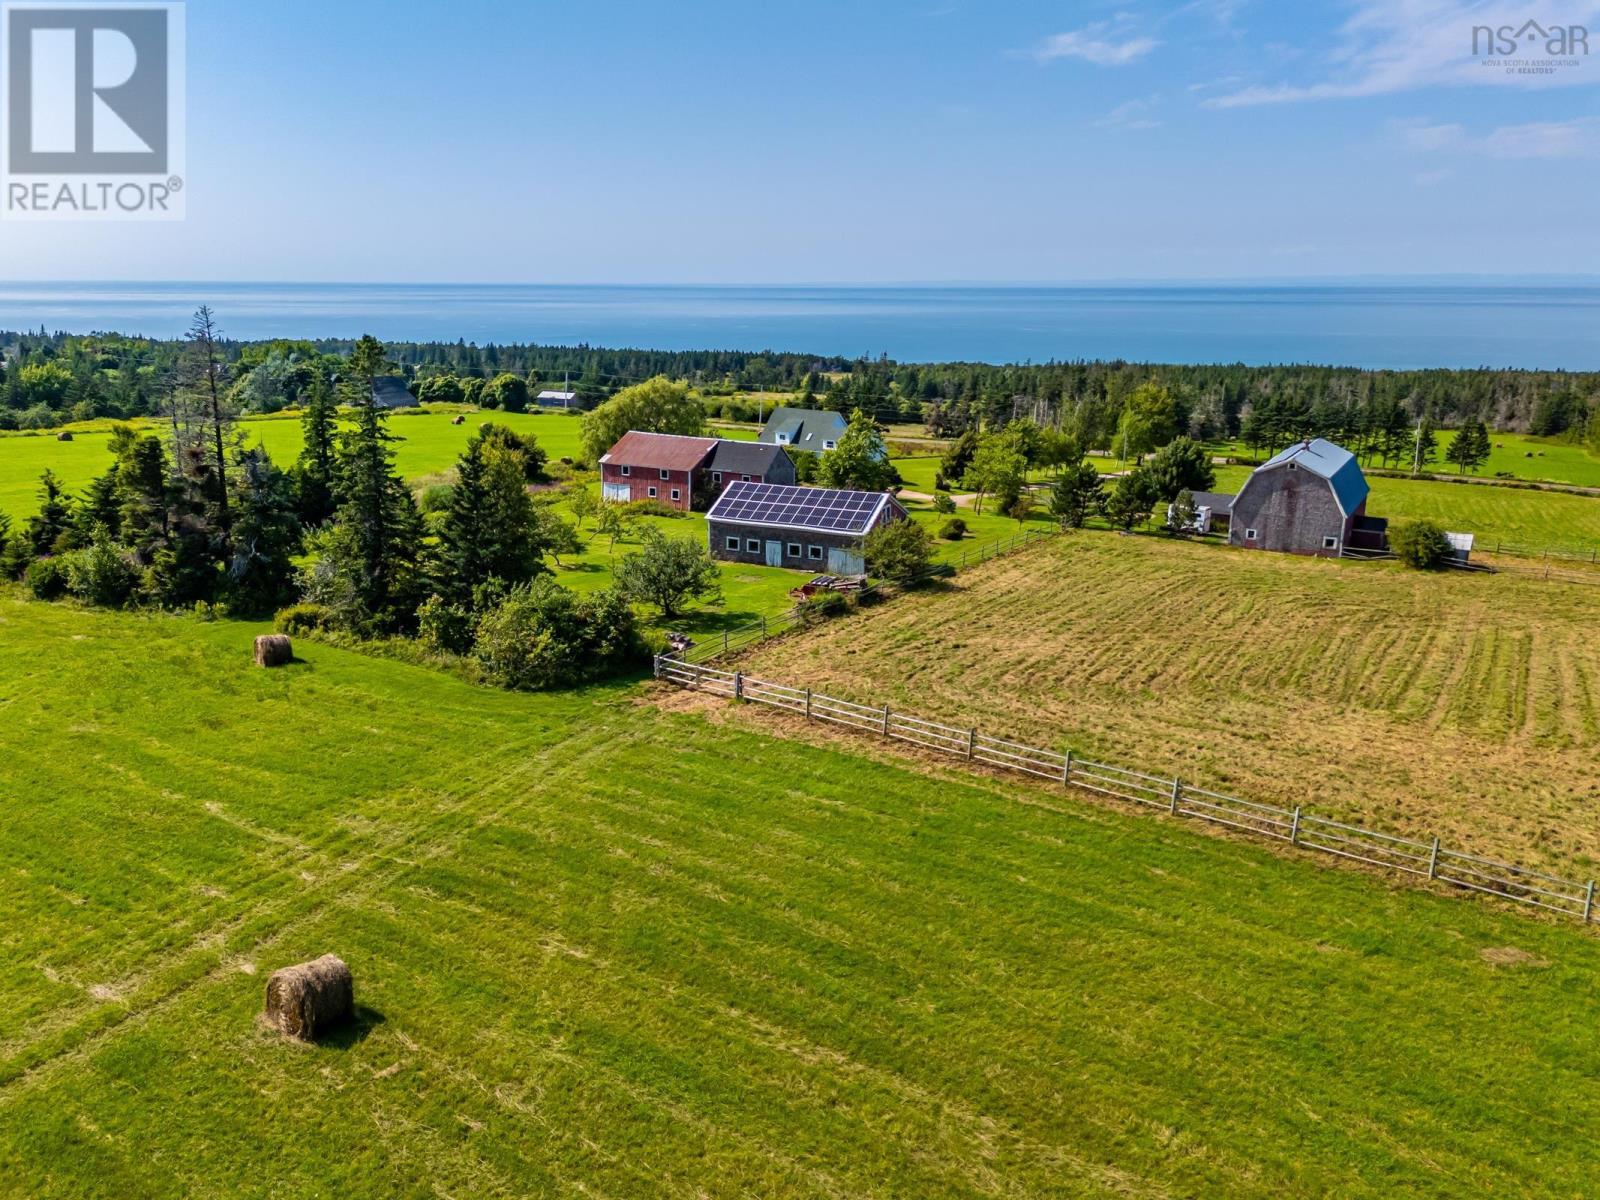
x=1463, y=706
x=604, y=949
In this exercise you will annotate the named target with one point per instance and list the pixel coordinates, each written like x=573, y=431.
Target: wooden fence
x=1303, y=830
x=744, y=636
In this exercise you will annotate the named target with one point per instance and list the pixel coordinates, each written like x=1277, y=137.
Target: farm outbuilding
x=556, y=399
x=1308, y=499
x=804, y=529
x=390, y=391
x=686, y=472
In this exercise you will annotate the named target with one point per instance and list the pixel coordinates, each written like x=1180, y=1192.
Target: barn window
x=1294, y=466
x=652, y=493
x=676, y=494
x=1330, y=543
x=830, y=445
x=716, y=477
x=794, y=549
x=815, y=551
x=626, y=470
x=746, y=478
x=753, y=545
x=733, y=543
x=1249, y=535
x=666, y=474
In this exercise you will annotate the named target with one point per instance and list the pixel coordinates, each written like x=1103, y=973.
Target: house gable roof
x=1333, y=463
x=805, y=509
x=660, y=451
x=745, y=458
x=806, y=428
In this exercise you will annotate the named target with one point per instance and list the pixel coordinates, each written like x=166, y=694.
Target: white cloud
x=1101, y=44
x=1578, y=138
x=1132, y=114
x=1391, y=46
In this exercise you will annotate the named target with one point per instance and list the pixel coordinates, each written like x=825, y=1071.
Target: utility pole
x=1416, y=459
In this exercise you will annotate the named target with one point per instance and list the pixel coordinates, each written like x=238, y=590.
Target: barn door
x=774, y=554
x=844, y=561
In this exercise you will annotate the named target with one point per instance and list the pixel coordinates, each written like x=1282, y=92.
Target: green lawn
x=430, y=444
x=1522, y=518
x=1544, y=460
x=605, y=949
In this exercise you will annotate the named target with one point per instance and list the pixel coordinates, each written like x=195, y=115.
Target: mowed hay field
x=1463, y=706
x=605, y=950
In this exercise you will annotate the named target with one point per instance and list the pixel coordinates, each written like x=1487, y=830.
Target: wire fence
x=744, y=636
x=1300, y=829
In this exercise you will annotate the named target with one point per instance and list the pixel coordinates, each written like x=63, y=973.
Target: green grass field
x=605, y=949
x=1542, y=460
x=1463, y=706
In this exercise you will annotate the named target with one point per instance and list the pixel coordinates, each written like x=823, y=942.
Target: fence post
x=1588, y=902
x=1294, y=828
x=808, y=704
x=1433, y=860
x=1177, y=795
x=885, y=720
x=699, y=677
x=738, y=685
x=724, y=641
x=972, y=743
x=1066, y=771
x=656, y=670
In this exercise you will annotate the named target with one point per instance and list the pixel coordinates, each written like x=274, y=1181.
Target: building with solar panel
x=802, y=528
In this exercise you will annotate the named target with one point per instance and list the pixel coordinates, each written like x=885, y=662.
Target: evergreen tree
x=491, y=529
x=316, y=471
x=1470, y=449
x=49, y=529
x=101, y=507
x=380, y=517
x=1077, y=492
x=266, y=537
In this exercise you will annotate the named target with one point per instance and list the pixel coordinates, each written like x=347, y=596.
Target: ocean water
x=1365, y=326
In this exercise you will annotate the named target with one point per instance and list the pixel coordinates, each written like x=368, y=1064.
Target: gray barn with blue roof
x=1308, y=499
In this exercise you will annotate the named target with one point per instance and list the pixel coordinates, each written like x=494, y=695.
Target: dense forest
x=48, y=379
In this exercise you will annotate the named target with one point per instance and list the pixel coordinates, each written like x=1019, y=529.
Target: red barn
x=686, y=472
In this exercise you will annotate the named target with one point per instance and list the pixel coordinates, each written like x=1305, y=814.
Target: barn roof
x=660, y=451
x=1334, y=463
x=820, y=510
x=744, y=458
x=1215, y=501
x=390, y=391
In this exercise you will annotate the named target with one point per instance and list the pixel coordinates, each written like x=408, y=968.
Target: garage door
x=843, y=561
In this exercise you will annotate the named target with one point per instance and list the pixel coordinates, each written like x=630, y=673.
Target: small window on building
x=746, y=478
x=814, y=551
x=794, y=549
x=783, y=439
x=666, y=474
x=716, y=477
x=1294, y=466
x=652, y=493
x=1249, y=535
x=676, y=494
x=830, y=445
x=626, y=470
x=753, y=545
x=1330, y=543
x=733, y=543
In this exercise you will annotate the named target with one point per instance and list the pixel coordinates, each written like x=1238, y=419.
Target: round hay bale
x=273, y=650
x=309, y=998
x=64, y=436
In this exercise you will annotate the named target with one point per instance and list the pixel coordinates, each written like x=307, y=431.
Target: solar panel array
x=828, y=509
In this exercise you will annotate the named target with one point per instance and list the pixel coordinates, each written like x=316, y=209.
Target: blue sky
x=869, y=141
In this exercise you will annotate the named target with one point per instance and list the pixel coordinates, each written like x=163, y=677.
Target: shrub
x=649, y=508
x=436, y=498
x=443, y=627
x=821, y=607
x=953, y=530
x=46, y=578
x=1419, y=544
x=544, y=636
x=304, y=619
x=102, y=572
x=900, y=551
x=943, y=502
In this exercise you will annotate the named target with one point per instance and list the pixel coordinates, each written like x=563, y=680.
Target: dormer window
x=830, y=445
